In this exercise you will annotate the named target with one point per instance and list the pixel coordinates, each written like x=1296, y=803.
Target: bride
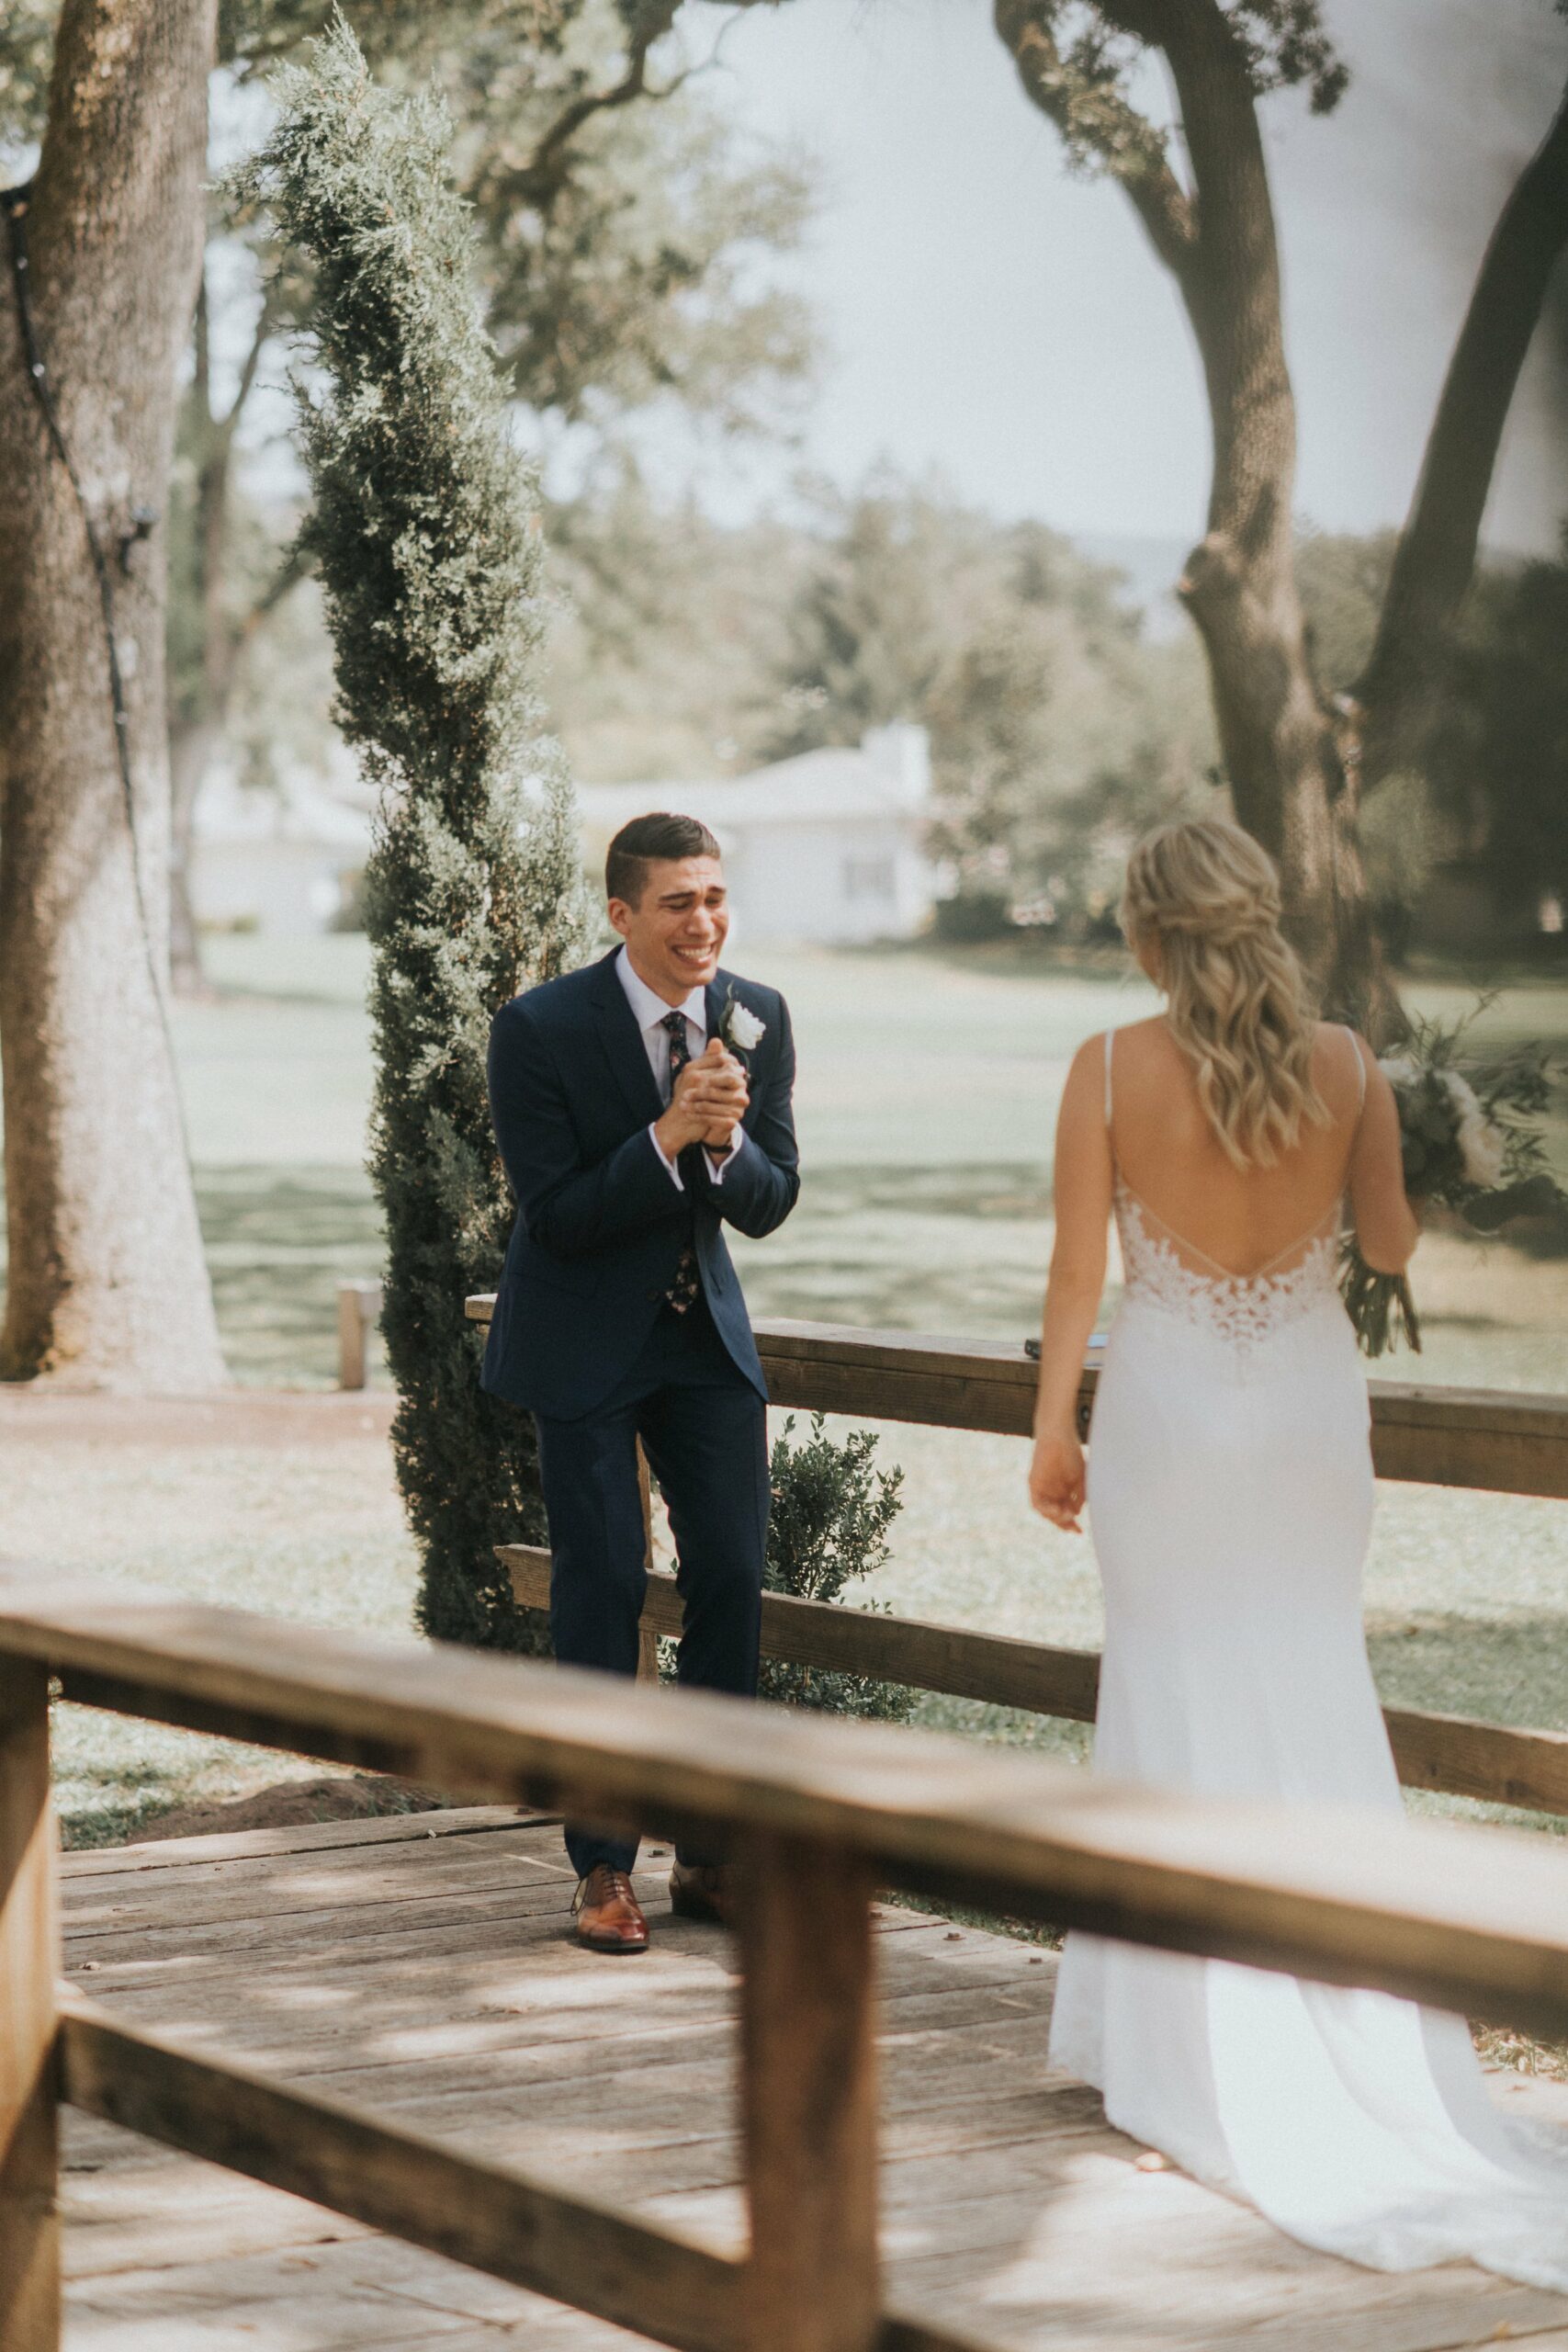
x=1230, y=1490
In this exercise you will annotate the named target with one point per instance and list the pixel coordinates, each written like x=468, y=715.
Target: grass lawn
x=927, y=1097
x=927, y=1100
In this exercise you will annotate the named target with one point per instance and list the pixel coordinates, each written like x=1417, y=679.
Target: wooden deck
x=422, y=1965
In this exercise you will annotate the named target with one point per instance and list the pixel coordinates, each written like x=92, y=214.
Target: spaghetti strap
x=1360, y=1070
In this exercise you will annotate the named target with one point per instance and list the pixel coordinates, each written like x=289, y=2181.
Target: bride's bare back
x=1232, y=1223
x=1221, y=1218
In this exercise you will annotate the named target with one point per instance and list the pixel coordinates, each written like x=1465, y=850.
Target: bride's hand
x=1056, y=1481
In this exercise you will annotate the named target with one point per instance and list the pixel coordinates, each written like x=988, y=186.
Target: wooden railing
x=817, y=1815
x=1493, y=1439
x=1481, y=1438
x=1487, y=1438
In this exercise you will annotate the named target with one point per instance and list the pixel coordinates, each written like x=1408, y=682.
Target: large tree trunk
x=1279, y=739
x=1281, y=742
x=1433, y=565
x=108, y=1283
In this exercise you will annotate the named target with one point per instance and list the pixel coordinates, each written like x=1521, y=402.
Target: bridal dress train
x=1230, y=1491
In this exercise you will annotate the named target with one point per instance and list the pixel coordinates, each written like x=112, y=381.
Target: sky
x=987, y=316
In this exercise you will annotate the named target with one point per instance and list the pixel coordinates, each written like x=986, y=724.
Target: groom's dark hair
x=646, y=838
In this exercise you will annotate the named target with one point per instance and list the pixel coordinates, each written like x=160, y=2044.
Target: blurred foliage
x=1058, y=731
x=831, y=1511
x=618, y=266
x=1091, y=71
x=1500, y=768
x=1060, y=728
x=620, y=219
x=1489, y=791
x=27, y=47
x=426, y=534
x=687, y=650
x=667, y=629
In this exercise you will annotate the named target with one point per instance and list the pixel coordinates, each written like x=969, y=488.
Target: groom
x=632, y=1130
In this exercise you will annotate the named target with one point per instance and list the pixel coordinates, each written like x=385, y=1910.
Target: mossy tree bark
x=108, y=1283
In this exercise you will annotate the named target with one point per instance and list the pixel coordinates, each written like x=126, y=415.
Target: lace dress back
x=1164, y=1270
x=1230, y=1497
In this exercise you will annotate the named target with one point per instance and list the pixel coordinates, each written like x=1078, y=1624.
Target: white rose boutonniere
x=739, y=1025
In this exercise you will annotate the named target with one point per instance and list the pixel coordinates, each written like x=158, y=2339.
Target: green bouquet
x=1470, y=1143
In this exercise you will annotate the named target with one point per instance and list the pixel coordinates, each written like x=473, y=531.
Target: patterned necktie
x=686, y=1288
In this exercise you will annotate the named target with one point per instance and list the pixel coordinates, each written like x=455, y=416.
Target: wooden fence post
x=29, y=1959
x=358, y=1305
x=809, y=2098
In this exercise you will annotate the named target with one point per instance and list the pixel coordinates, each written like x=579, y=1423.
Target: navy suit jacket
x=599, y=1222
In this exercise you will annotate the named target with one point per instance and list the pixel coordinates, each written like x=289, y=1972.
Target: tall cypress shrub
x=425, y=531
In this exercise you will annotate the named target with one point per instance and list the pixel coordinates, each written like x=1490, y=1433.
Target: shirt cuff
x=664, y=1156
x=719, y=1160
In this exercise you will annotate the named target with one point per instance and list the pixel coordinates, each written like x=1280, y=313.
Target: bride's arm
x=1081, y=1184
x=1386, y=1226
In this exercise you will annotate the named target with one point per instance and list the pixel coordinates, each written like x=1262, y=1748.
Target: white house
x=829, y=845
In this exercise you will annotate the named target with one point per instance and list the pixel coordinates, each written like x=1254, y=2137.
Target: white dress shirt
x=651, y=1012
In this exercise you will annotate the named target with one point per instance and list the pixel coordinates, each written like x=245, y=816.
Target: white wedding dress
x=1230, y=1494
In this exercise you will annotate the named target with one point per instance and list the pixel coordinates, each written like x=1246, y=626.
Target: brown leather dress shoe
x=608, y=1914
x=702, y=1891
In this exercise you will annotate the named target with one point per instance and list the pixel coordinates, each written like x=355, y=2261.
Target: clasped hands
x=708, y=1102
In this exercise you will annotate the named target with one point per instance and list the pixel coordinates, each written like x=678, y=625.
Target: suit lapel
x=716, y=992
x=623, y=1048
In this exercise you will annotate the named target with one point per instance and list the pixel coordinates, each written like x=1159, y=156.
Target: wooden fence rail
x=1491, y=1439
x=816, y=1814
x=1488, y=1438
x=1460, y=1753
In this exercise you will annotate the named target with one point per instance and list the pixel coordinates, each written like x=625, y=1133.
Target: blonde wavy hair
x=1206, y=897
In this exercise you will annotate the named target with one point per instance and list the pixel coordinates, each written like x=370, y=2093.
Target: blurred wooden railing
x=816, y=1815
x=1481, y=1438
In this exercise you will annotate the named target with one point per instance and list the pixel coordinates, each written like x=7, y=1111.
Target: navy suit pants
x=704, y=1429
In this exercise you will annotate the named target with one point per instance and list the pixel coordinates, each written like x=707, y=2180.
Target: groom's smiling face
x=675, y=932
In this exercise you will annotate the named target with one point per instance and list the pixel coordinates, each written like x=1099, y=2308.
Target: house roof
x=830, y=786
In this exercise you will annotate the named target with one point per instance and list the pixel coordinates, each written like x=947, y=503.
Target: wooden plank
x=809, y=2077
x=253, y=1925
x=1466, y=1918
x=1461, y=1754
x=975, y=2175
x=492, y=2218
x=213, y=1894
x=1469, y=1758
x=1492, y=1439
x=379, y=2022
x=489, y=2217
x=302, y=1838
x=30, y=2219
